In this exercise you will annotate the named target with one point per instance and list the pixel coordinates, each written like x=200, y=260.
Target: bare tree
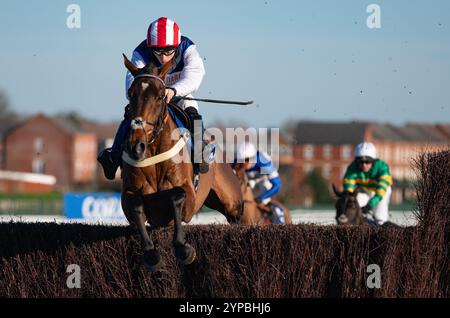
x=4, y=104
x=8, y=118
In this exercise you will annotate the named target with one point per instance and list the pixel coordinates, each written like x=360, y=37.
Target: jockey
x=372, y=174
x=263, y=178
x=164, y=43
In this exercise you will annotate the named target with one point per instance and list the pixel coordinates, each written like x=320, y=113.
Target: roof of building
x=338, y=133
x=445, y=129
x=101, y=130
x=66, y=125
x=385, y=132
x=333, y=133
x=423, y=133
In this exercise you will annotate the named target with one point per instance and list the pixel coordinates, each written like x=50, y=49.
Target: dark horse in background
x=156, y=188
x=255, y=214
x=348, y=211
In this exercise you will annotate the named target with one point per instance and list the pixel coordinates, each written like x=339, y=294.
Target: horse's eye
x=161, y=97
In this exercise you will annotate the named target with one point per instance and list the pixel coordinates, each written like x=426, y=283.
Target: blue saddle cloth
x=180, y=124
x=182, y=120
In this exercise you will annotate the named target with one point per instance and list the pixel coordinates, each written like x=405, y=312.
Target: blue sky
x=296, y=59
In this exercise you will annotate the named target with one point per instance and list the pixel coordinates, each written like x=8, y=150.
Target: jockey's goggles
x=164, y=51
x=364, y=160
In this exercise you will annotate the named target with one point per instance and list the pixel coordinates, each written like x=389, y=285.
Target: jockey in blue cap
x=263, y=177
x=164, y=44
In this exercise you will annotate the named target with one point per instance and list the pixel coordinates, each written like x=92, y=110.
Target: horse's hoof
x=185, y=254
x=152, y=260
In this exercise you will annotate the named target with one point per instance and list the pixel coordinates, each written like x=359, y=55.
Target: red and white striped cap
x=163, y=33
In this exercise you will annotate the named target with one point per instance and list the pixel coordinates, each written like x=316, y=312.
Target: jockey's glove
x=365, y=209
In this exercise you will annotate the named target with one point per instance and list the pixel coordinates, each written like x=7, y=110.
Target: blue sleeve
x=276, y=186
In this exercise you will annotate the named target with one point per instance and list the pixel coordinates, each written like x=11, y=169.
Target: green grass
x=52, y=196
x=31, y=203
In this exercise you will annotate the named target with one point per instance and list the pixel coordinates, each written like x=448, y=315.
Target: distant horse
x=155, y=187
x=255, y=214
x=348, y=211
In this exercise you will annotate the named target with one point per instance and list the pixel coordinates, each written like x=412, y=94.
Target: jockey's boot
x=108, y=162
x=110, y=158
x=198, y=150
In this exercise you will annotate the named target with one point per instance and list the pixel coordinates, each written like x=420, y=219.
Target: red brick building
x=329, y=148
x=52, y=146
x=105, y=133
x=13, y=182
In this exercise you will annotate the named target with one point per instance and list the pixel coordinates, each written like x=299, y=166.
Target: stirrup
x=196, y=182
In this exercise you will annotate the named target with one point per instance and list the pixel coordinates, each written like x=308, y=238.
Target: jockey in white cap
x=373, y=175
x=263, y=177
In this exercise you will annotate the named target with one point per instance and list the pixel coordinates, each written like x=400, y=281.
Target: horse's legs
x=151, y=258
x=184, y=252
x=172, y=202
x=287, y=216
x=177, y=198
x=225, y=195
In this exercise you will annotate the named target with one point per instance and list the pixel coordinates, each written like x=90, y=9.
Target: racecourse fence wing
x=241, y=261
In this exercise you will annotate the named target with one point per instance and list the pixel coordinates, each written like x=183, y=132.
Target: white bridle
x=140, y=123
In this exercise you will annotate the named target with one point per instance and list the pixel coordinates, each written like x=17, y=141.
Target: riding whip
x=218, y=101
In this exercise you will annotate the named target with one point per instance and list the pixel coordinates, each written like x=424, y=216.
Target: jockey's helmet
x=366, y=150
x=163, y=33
x=246, y=150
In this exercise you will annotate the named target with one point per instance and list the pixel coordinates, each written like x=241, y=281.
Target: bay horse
x=349, y=212
x=255, y=214
x=347, y=207
x=158, y=189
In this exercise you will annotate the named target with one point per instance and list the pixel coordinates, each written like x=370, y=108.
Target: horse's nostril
x=139, y=148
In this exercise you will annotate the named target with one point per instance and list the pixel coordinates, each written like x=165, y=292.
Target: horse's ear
x=130, y=66
x=338, y=193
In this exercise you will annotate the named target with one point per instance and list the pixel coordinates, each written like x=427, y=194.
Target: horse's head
x=239, y=170
x=148, y=107
x=348, y=210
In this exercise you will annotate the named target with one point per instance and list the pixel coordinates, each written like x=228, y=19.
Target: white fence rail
x=319, y=217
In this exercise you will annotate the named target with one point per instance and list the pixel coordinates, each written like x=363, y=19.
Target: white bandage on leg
x=363, y=198
x=381, y=210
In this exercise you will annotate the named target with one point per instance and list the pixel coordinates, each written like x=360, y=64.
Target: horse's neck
x=165, y=141
x=248, y=192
